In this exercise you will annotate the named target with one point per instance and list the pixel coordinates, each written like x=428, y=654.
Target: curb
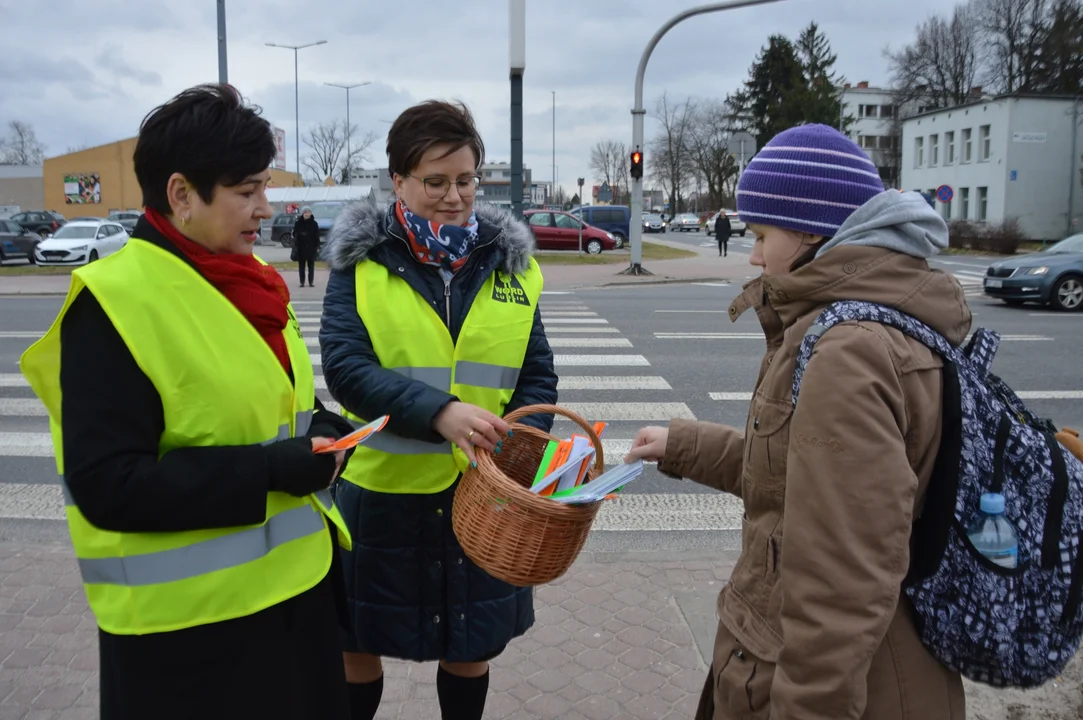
x=9, y=296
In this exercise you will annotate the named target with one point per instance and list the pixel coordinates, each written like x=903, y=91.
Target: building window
x=985, y=144
x=964, y=204
x=868, y=111
x=919, y=152
x=945, y=211
x=968, y=151
x=889, y=142
x=868, y=142
x=934, y=150
x=983, y=204
x=887, y=111
x=949, y=148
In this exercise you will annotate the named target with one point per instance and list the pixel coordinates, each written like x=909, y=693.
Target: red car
x=560, y=231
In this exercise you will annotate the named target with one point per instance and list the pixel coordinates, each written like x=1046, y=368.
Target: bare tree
x=1012, y=31
x=21, y=146
x=672, y=164
x=603, y=160
x=327, y=150
x=622, y=159
x=942, y=63
x=707, y=148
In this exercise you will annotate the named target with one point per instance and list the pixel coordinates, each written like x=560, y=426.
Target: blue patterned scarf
x=444, y=246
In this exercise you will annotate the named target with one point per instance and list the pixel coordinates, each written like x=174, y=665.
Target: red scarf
x=255, y=289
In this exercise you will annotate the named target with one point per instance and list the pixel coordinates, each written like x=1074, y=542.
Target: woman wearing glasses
x=430, y=317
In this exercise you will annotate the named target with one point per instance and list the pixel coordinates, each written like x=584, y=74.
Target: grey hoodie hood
x=902, y=222
x=361, y=227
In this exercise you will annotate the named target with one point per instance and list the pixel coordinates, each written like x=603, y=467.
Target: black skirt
x=411, y=592
x=284, y=662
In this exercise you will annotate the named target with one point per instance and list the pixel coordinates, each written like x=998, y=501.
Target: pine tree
x=773, y=94
x=822, y=100
x=1060, y=61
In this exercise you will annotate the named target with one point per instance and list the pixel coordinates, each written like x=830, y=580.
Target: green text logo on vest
x=507, y=289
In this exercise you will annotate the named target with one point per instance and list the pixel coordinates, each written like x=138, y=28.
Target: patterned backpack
x=1002, y=627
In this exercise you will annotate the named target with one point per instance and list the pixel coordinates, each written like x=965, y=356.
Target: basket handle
x=599, y=458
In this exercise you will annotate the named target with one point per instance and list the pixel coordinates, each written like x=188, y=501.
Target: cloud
x=107, y=63
x=110, y=59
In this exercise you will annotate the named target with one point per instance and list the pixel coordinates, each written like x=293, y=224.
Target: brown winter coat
x=813, y=623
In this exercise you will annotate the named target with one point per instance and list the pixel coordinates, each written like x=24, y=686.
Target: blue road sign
x=1014, y=175
x=944, y=193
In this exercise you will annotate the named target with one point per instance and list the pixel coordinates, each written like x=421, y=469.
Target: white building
x=1012, y=156
x=379, y=180
x=874, y=125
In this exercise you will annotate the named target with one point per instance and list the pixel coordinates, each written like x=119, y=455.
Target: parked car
x=615, y=219
x=1053, y=276
x=127, y=219
x=282, y=229
x=737, y=226
x=41, y=222
x=560, y=231
x=16, y=242
x=325, y=214
x=685, y=222
x=79, y=243
x=653, y=223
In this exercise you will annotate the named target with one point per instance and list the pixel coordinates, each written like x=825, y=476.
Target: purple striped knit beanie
x=809, y=178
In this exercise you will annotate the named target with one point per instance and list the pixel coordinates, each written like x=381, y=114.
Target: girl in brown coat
x=813, y=623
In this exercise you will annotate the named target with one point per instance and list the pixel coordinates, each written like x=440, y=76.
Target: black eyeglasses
x=437, y=188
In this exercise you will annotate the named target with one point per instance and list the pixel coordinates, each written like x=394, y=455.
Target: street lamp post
x=296, y=93
x=554, y=136
x=636, y=267
x=223, y=72
x=349, y=157
x=516, y=69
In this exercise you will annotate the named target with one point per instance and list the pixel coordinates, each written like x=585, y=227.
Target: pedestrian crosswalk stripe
x=709, y=336
x=629, y=411
x=579, y=342
x=581, y=321
x=602, y=360
x=13, y=380
x=566, y=313
x=557, y=292
x=555, y=329
x=40, y=445
x=23, y=334
x=606, y=382
x=22, y=407
x=25, y=444
x=1023, y=395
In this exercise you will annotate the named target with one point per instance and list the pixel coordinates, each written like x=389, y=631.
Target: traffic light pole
x=636, y=224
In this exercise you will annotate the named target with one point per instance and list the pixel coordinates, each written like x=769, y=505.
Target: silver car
x=685, y=221
x=737, y=226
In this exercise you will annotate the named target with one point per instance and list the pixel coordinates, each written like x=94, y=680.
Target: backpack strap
x=854, y=310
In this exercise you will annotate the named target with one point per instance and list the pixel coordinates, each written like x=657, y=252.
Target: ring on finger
x=470, y=434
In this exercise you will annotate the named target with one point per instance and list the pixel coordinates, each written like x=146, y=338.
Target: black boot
x=365, y=698
x=461, y=698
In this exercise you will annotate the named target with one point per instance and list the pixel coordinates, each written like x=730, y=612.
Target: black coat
x=722, y=227
x=412, y=592
x=306, y=238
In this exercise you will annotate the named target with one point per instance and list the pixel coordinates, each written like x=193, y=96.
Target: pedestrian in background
x=431, y=316
x=184, y=417
x=722, y=232
x=306, y=244
x=813, y=622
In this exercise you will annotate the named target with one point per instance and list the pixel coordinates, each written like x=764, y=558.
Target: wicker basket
x=511, y=533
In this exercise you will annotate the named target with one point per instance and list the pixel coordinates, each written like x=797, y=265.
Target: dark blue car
x=1053, y=277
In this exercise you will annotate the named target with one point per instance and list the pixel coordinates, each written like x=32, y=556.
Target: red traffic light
x=637, y=165
x=636, y=157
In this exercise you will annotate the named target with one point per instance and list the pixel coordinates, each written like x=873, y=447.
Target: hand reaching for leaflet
x=649, y=445
x=468, y=425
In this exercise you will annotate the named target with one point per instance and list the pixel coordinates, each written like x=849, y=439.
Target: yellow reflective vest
x=481, y=368
x=220, y=385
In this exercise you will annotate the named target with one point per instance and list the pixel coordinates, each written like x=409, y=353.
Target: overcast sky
x=85, y=73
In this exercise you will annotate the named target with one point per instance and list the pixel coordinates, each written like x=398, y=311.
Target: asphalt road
x=631, y=356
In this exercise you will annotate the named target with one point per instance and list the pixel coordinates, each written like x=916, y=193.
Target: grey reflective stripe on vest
x=205, y=557
x=437, y=377
x=497, y=377
x=302, y=423
x=393, y=444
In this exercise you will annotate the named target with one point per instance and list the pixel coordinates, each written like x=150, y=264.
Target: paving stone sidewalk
x=620, y=636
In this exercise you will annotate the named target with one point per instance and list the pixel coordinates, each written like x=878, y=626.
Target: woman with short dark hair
x=185, y=423
x=431, y=316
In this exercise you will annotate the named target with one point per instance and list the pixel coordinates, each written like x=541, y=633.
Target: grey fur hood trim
x=360, y=227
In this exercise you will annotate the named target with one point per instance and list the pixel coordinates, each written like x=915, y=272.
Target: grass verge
x=651, y=251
